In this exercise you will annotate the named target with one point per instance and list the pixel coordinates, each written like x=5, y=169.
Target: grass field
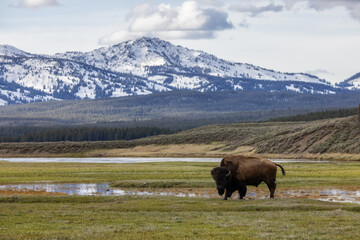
x=174, y=218
x=174, y=174
x=165, y=217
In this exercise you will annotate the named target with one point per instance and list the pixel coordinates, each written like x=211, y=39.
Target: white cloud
x=188, y=21
x=244, y=24
x=247, y=6
x=322, y=74
x=319, y=71
x=119, y=36
x=353, y=6
x=211, y=2
x=35, y=4
x=255, y=10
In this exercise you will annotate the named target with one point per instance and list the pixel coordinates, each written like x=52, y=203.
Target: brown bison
x=236, y=172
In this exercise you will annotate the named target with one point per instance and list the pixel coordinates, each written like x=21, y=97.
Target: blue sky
x=320, y=37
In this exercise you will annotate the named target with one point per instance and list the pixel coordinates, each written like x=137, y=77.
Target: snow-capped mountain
x=140, y=56
x=10, y=51
x=136, y=67
x=352, y=83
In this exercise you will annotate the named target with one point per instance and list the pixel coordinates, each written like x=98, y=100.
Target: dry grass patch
x=329, y=136
x=173, y=150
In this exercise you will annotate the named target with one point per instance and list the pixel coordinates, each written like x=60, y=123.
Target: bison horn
x=228, y=175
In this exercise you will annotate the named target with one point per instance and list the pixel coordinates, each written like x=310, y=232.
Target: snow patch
x=355, y=83
x=86, y=92
x=184, y=82
x=3, y=102
x=119, y=92
x=11, y=51
x=291, y=87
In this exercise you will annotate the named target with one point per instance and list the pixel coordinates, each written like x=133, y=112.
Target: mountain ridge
x=174, y=109
x=352, y=82
x=138, y=67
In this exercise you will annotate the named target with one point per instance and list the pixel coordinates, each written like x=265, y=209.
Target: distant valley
x=175, y=109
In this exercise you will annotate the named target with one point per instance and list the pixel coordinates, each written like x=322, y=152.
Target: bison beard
x=236, y=172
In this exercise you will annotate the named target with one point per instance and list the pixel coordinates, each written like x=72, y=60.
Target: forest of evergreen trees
x=187, y=105
x=338, y=113
x=114, y=131
x=34, y=134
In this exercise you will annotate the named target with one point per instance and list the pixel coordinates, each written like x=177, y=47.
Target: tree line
x=35, y=134
x=338, y=113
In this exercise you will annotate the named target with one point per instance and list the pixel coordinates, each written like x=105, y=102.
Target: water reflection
x=82, y=189
x=103, y=189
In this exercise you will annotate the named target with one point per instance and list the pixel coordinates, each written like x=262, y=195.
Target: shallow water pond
x=325, y=194
x=104, y=189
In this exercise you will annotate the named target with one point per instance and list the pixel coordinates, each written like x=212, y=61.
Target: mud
x=326, y=194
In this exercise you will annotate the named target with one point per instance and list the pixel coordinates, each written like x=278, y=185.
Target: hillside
x=351, y=83
x=326, y=136
x=341, y=135
x=178, y=109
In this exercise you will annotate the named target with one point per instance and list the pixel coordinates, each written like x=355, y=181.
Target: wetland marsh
x=178, y=201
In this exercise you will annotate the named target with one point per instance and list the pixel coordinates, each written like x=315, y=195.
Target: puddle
x=140, y=160
x=331, y=195
x=102, y=190
x=82, y=189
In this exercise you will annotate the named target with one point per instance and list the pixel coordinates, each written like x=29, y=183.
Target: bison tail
x=282, y=169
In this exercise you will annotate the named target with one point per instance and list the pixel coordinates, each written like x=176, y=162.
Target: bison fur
x=237, y=172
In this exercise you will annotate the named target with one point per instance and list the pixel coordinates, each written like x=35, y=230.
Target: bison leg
x=242, y=191
x=228, y=194
x=272, y=187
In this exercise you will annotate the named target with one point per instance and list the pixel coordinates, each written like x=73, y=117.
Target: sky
x=320, y=37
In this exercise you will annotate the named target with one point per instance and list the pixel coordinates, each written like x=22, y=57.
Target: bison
x=236, y=172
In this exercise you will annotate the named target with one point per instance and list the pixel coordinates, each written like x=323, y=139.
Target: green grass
x=164, y=217
x=90, y=173
x=174, y=218
x=172, y=174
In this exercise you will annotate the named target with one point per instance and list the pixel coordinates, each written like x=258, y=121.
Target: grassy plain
x=172, y=174
x=37, y=215
x=174, y=218
x=165, y=217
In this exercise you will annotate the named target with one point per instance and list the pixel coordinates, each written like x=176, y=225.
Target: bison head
x=221, y=175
